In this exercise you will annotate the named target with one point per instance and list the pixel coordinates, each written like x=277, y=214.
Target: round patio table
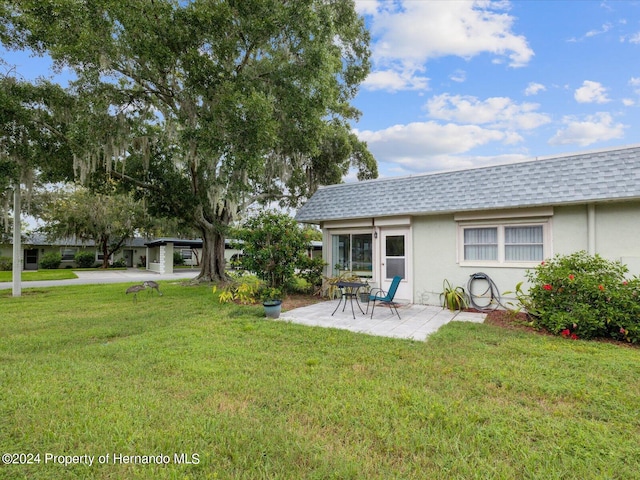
x=349, y=290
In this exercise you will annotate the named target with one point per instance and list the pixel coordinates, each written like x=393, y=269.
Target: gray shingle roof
x=595, y=176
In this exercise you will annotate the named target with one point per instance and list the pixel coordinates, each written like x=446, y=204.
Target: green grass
x=85, y=371
x=29, y=276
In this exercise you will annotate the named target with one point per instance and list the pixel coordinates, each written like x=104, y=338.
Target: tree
x=236, y=101
x=31, y=142
x=108, y=220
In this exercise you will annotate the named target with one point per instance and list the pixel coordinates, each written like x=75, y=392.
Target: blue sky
x=458, y=84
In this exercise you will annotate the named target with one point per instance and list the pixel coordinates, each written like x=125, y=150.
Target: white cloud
x=393, y=81
x=594, y=128
x=497, y=112
x=591, y=92
x=416, y=145
x=592, y=33
x=534, y=88
x=628, y=102
x=405, y=35
x=459, y=76
x=634, y=38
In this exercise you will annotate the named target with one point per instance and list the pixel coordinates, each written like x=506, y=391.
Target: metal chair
x=385, y=298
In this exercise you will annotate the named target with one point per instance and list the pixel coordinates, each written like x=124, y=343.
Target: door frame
x=405, y=289
x=25, y=264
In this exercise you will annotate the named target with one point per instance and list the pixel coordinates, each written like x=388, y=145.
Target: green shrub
x=177, y=258
x=120, y=263
x=6, y=264
x=85, y=259
x=244, y=289
x=311, y=270
x=585, y=296
x=274, y=248
x=50, y=261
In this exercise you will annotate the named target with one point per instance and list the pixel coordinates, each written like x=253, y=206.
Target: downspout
x=591, y=229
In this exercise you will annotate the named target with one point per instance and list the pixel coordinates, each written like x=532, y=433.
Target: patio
x=417, y=322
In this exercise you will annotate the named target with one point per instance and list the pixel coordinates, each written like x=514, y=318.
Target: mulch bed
x=520, y=321
x=299, y=300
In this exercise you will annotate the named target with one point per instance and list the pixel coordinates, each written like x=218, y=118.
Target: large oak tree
x=234, y=101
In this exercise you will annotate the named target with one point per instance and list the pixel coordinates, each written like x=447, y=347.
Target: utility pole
x=17, y=243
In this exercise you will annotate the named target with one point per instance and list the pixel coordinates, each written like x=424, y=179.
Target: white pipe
x=591, y=229
x=17, y=244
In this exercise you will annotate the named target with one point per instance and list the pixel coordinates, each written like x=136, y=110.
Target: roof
x=177, y=242
x=595, y=176
x=182, y=242
x=37, y=239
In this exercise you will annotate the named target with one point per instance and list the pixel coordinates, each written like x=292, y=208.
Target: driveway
x=108, y=276
x=417, y=322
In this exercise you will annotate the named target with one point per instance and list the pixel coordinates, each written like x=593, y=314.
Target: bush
x=85, y=259
x=120, y=263
x=51, y=261
x=246, y=290
x=177, y=258
x=274, y=248
x=311, y=270
x=6, y=264
x=585, y=296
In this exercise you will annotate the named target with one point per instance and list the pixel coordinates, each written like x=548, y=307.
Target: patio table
x=349, y=290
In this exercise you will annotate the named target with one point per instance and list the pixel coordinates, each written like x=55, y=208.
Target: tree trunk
x=105, y=253
x=212, y=263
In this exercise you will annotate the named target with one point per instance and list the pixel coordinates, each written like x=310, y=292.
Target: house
x=34, y=246
x=155, y=255
x=499, y=220
x=160, y=253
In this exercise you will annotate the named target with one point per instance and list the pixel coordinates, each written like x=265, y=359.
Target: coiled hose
x=491, y=293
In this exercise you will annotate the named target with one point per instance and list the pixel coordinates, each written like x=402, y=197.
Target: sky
x=457, y=84
x=461, y=84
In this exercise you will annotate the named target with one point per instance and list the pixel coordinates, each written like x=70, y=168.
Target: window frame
x=65, y=258
x=501, y=225
x=351, y=233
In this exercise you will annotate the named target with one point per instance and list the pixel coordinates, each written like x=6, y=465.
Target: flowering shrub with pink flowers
x=585, y=296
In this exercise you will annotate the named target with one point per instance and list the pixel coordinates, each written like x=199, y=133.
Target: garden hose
x=491, y=293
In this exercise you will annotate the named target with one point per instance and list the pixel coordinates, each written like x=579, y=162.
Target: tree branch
x=135, y=181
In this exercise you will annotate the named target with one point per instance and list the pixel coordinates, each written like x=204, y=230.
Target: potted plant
x=271, y=301
x=365, y=292
x=454, y=298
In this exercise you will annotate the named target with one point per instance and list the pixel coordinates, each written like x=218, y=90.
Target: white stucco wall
x=434, y=240
x=435, y=253
x=617, y=237
x=569, y=229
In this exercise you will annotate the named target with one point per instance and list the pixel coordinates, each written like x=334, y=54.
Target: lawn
x=28, y=276
x=86, y=372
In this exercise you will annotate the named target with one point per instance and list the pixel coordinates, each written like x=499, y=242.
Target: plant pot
x=364, y=297
x=272, y=308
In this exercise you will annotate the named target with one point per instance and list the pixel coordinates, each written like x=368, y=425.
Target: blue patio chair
x=385, y=298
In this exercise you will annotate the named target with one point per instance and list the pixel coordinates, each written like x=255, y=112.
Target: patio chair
x=385, y=298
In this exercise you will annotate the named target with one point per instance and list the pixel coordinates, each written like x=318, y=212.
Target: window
x=352, y=252
x=395, y=259
x=186, y=254
x=481, y=243
x=68, y=254
x=503, y=244
x=523, y=244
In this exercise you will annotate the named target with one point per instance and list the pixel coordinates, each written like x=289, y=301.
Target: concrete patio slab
x=417, y=322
